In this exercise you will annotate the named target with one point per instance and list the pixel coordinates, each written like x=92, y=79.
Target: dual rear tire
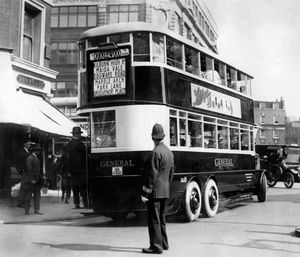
x=193, y=200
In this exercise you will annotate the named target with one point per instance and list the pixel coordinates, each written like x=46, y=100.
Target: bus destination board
x=109, y=72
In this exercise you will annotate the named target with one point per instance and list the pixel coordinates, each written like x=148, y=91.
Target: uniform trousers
x=157, y=224
x=21, y=197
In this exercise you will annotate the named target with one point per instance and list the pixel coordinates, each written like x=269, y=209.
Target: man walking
x=156, y=190
x=76, y=163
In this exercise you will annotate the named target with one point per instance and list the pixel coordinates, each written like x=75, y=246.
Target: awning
x=37, y=112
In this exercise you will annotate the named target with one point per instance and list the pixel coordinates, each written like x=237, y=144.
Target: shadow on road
x=91, y=247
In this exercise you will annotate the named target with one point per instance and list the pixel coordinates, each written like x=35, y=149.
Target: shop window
x=141, y=51
x=219, y=73
x=206, y=67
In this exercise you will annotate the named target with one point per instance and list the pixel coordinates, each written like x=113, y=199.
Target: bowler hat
x=76, y=130
x=158, y=131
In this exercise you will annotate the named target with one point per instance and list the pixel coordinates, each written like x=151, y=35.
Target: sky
x=262, y=38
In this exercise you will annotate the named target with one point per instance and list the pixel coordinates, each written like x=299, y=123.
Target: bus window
x=158, y=48
x=97, y=41
x=222, y=137
x=173, y=131
x=209, y=135
x=195, y=133
x=234, y=138
x=219, y=77
x=182, y=129
x=141, y=50
x=206, y=67
x=191, y=60
x=104, y=129
x=119, y=38
x=174, y=53
x=244, y=139
x=251, y=141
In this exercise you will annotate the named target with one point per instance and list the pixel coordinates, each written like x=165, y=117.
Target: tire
x=210, y=199
x=262, y=189
x=192, y=201
x=288, y=180
x=274, y=172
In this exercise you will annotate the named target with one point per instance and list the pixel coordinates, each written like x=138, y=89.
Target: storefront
x=26, y=114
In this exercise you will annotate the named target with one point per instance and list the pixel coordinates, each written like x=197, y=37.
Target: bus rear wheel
x=192, y=201
x=262, y=189
x=210, y=199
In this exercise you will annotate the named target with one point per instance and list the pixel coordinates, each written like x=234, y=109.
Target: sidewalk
x=51, y=207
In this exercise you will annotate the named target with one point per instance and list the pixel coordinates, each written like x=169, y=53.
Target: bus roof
x=145, y=26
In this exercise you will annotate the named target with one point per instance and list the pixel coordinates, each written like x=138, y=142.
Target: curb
x=297, y=231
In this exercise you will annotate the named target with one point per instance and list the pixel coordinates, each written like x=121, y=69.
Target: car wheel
x=273, y=175
x=192, y=201
x=288, y=180
x=262, y=189
x=210, y=199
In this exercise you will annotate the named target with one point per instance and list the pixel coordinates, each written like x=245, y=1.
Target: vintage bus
x=134, y=75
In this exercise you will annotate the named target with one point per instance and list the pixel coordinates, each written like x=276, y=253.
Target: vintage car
x=281, y=163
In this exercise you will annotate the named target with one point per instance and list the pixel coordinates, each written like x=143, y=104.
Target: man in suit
x=33, y=180
x=76, y=164
x=156, y=190
x=22, y=155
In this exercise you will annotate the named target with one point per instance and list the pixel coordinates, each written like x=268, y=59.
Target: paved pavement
x=51, y=207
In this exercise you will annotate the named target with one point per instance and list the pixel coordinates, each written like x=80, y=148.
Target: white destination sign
x=110, y=77
x=207, y=99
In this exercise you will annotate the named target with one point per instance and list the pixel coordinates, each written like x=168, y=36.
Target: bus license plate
x=117, y=171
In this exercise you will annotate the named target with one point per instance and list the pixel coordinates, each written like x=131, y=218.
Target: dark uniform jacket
x=75, y=156
x=159, y=172
x=33, y=167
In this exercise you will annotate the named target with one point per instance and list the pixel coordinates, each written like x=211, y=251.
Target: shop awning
x=37, y=112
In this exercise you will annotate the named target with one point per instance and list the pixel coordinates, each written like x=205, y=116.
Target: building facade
x=69, y=18
x=292, y=136
x=271, y=117
x=25, y=84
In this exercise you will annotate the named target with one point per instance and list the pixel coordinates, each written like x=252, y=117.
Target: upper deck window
x=191, y=60
x=119, y=38
x=141, y=51
x=174, y=53
x=158, y=48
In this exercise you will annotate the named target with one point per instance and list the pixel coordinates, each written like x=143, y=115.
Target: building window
x=262, y=133
x=262, y=105
x=276, y=105
x=74, y=16
x=64, y=53
x=262, y=119
x=275, y=133
x=65, y=89
x=275, y=119
x=123, y=13
x=31, y=48
x=177, y=24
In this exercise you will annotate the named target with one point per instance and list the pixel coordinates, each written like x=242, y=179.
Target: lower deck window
x=104, y=129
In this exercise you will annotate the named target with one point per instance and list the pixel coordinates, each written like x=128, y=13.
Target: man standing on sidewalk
x=76, y=163
x=156, y=189
x=22, y=155
x=33, y=181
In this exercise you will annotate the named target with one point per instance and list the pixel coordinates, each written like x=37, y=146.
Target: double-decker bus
x=134, y=75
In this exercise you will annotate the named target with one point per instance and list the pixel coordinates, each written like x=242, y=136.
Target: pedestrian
x=76, y=162
x=66, y=179
x=156, y=189
x=21, y=168
x=33, y=181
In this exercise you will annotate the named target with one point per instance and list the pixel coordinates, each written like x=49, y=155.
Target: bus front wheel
x=210, y=199
x=192, y=203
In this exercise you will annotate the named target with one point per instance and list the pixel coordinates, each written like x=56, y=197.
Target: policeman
x=156, y=189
